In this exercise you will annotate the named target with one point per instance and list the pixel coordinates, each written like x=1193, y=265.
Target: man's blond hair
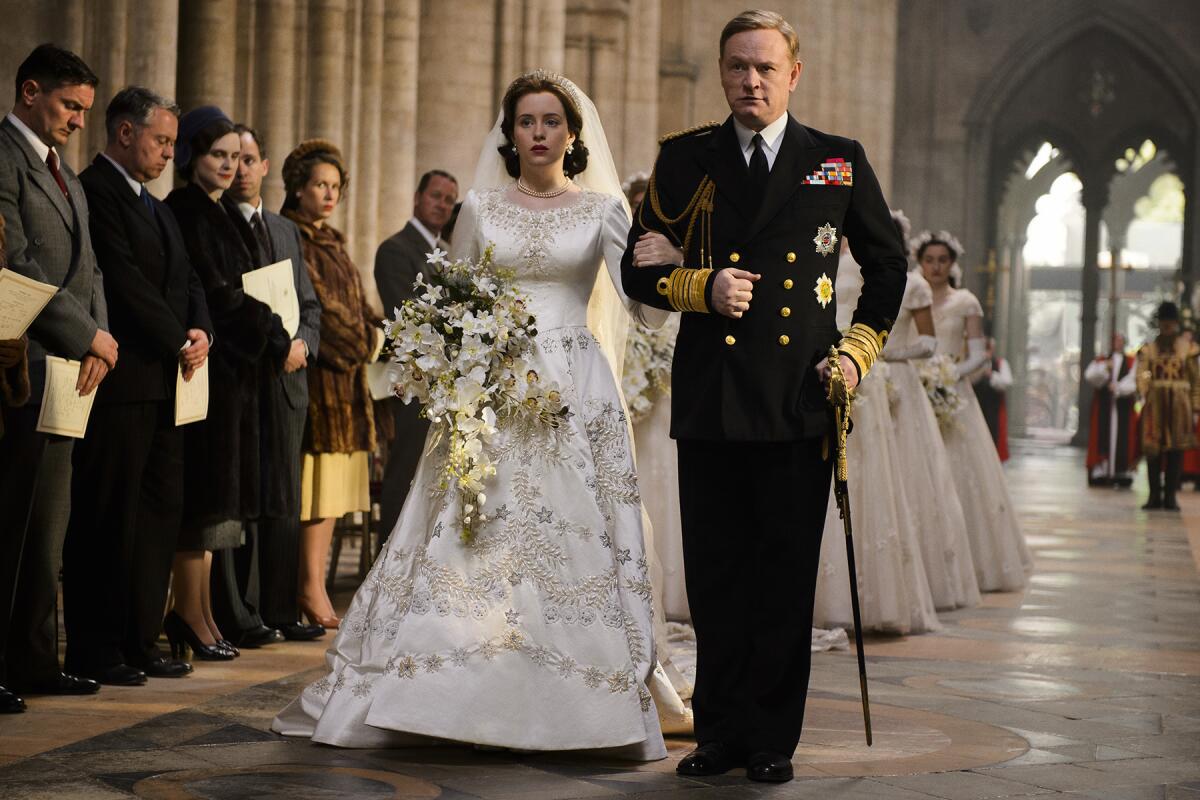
x=757, y=19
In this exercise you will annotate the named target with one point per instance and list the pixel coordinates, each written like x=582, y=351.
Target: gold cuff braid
x=684, y=289
x=863, y=344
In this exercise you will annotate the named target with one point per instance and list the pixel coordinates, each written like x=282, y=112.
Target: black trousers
x=35, y=500
x=234, y=585
x=753, y=515
x=403, y=455
x=127, y=500
x=1163, y=487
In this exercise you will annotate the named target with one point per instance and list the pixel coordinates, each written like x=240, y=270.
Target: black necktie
x=146, y=199
x=260, y=233
x=758, y=172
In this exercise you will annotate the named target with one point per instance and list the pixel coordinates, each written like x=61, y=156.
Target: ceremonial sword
x=839, y=399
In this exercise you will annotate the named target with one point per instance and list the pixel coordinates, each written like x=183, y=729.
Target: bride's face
x=936, y=261
x=540, y=130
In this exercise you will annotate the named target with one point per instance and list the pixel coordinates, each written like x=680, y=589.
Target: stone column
x=1095, y=198
x=274, y=91
x=207, y=53
x=458, y=94
x=104, y=50
x=151, y=60
x=640, y=135
x=545, y=32
x=677, y=72
x=327, y=86
x=368, y=126
x=396, y=158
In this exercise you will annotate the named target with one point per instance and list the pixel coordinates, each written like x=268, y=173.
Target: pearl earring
x=514, y=149
x=570, y=149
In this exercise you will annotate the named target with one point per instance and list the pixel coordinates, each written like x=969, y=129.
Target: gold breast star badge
x=823, y=290
x=826, y=239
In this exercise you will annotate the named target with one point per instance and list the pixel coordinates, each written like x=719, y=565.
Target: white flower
x=438, y=256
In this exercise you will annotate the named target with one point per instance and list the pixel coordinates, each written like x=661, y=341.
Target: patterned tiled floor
x=1085, y=686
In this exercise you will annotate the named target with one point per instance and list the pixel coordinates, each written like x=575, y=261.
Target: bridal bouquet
x=459, y=349
x=647, y=373
x=940, y=380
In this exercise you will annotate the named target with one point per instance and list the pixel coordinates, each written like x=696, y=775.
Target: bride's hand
x=655, y=250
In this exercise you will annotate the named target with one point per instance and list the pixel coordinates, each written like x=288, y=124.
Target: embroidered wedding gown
x=540, y=634
x=893, y=589
x=925, y=466
x=1001, y=558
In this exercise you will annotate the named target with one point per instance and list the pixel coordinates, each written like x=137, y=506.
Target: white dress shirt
x=134, y=185
x=772, y=139
x=39, y=147
x=249, y=211
x=426, y=234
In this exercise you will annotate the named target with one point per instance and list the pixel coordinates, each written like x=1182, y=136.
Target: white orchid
x=459, y=349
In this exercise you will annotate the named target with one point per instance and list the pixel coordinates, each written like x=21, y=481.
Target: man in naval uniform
x=759, y=204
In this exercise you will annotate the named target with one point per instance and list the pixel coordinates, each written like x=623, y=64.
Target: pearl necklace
x=521, y=187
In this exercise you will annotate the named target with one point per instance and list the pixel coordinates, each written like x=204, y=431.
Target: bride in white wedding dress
x=539, y=634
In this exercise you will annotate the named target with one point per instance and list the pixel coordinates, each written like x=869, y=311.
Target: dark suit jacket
x=154, y=295
x=397, y=262
x=751, y=379
x=48, y=240
x=285, y=242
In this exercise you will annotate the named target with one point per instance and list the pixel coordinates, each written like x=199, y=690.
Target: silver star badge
x=826, y=239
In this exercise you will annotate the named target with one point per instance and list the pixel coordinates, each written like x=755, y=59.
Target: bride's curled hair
x=537, y=82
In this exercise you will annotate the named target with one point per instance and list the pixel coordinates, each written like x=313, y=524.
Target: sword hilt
x=840, y=396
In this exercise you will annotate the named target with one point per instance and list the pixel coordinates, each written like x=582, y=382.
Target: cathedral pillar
x=326, y=80
x=1095, y=198
x=274, y=92
x=458, y=92
x=397, y=153
x=207, y=53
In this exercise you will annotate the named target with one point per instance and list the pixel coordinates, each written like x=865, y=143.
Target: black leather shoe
x=62, y=683
x=768, y=767
x=713, y=758
x=300, y=632
x=10, y=703
x=163, y=667
x=119, y=675
x=1152, y=505
x=260, y=636
x=1170, y=505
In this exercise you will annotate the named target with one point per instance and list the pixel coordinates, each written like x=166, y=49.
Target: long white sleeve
x=922, y=347
x=976, y=357
x=1001, y=378
x=614, y=235
x=1127, y=386
x=1097, y=373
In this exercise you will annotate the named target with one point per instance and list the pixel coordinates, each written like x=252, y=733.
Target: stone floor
x=1085, y=686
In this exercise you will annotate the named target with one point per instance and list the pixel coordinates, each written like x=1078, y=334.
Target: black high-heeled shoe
x=182, y=638
x=227, y=645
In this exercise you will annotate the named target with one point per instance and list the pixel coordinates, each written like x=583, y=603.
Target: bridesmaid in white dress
x=1002, y=559
x=893, y=587
x=924, y=464
x=537, y=635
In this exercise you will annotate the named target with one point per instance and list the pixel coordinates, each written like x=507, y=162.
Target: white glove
x=976, y=357
x=923, y=347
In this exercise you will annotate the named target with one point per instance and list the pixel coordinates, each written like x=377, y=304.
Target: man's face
x=149, y=147
x=252, y=168
x=1169, y=327
x=56, y=114
x=433, y=206
x=758, y=75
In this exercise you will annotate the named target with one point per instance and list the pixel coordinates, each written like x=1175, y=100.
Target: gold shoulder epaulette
x=670, y=137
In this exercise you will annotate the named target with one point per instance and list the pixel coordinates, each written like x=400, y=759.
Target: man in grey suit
x=397, y=262
x=46, y=215
x=259, y=583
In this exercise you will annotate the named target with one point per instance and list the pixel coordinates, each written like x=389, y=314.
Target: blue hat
x=191, y=124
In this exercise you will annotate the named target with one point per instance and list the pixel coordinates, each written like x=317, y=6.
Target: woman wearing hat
x=222, y=489
x=1168, y=381
x=340, y=432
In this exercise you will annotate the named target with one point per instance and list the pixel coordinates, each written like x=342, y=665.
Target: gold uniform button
x=730, y=340
x=734, y=258
x=787, y=284
x=784, y=340
x=785, y=312
x=791, y=257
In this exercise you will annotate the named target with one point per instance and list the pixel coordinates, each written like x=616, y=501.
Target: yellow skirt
x=333, y=484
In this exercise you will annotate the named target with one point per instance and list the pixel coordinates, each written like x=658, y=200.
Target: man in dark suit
x=257, y=582
x=46, y=217
x=127, y=488
x=758, y=205
x=397, y=262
